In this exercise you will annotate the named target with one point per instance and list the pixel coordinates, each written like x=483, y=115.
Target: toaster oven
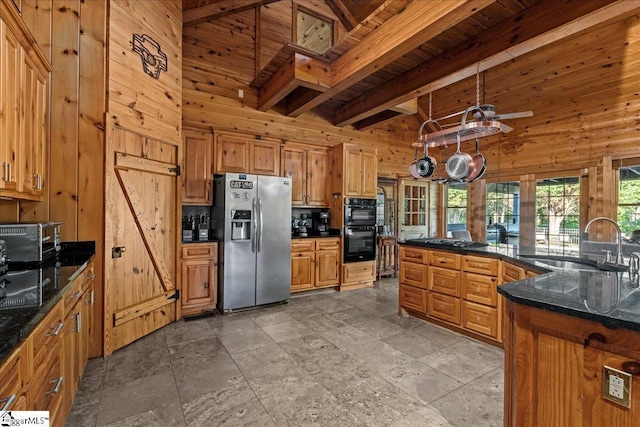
x=31, y=242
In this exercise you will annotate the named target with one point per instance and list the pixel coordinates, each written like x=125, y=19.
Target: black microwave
x=31, y=242
x=359, y=212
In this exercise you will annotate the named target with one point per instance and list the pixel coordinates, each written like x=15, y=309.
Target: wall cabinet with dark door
x=239, y=153
x=198, y=168
x=199, y=277
x=308, y=168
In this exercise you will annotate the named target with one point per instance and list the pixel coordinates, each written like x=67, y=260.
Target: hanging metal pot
x=461, y=165
x=480, y=164
x=413, y=166
x=426, y=166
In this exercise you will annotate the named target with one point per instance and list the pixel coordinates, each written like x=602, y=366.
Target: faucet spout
x=619, y=257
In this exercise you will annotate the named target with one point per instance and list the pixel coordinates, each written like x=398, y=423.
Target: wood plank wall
x=137, y=101
x=219, y=59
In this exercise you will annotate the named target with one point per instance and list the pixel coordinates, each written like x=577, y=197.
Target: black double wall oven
x=359, y=230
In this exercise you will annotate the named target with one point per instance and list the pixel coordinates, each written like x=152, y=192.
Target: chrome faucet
x=619, y=258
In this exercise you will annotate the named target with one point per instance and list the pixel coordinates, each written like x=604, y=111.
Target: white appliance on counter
x=252, y=219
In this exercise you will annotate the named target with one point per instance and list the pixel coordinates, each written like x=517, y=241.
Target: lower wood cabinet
x=315, y=263
x=444, y=307
x=43, y=372
x=480, y=318
x=199, y=277
x=413, y=298
x=358, y=275
x=554, y=370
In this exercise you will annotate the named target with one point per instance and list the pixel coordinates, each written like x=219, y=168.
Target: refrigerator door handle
x=261, y=226
x=254, y=219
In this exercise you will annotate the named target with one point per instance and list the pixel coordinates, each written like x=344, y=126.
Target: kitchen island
x=559, y=327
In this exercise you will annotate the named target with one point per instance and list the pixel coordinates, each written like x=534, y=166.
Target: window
x=629, y=199
x=456, y=207
x=558, y=215
x=313, y=31
x=503, y=212
x=415, y=205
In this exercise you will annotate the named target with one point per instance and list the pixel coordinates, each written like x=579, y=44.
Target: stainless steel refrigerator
x=252, y=219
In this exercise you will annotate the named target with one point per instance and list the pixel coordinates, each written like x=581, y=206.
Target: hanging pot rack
x=466, y=130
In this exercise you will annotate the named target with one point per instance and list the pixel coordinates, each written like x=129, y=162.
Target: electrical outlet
x=616, y=386
x=240, y=93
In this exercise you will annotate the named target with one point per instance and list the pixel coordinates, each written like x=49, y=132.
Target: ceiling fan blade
x=505, y=128
x=513, y=115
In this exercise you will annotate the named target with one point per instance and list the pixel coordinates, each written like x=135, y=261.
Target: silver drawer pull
x=78, y=322
x=56, y=389
x=57, y=331
x=8, y=402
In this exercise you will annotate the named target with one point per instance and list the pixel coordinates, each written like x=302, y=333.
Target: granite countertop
x=605, y=297
x=17, y=323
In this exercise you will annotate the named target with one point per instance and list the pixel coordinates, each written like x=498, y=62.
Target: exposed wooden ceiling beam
x=343, y=14
x=408, y=107
x=542, y=24
x=420, y=21
x=219, y=9
x=298, y=70
x=376, y=120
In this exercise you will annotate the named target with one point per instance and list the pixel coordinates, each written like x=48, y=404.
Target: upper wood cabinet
x=198, y=168
x=23, y=102
x=246, y=154
x=308, y=168
x=355, y=170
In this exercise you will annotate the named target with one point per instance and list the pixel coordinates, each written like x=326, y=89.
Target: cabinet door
x=327, y=268
x=71, y=343
x=293, y=165
x=413, y=274
x=196, y=177
x=86, y=327
x=10, y=138
x=413, y=298
x=369, y=174
x=232, y=153
x=198, y=284
x=264, y=157
x=12, y=372
x=444, y=307
x=353, y=172
x=317, y=177
x=444, y=281
x=302, y=270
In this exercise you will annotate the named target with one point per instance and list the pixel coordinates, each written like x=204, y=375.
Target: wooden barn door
x=140, y=236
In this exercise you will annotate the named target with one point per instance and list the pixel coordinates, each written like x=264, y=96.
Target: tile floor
x=334, y=359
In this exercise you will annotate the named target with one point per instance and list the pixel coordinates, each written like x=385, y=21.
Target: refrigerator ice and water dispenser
x=240, y=224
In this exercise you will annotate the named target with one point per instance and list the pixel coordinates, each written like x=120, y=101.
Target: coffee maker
x=321, y=223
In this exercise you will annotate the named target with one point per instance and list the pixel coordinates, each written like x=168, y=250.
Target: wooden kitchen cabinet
x=315, y=263
x=554, y=369
x=14, y=380
x=355, y=170
x=413, y=278
x=23, y=123
x=308, y=168
x=199, y=277
x=246, y=154
x=198, y=168
x=358, y=275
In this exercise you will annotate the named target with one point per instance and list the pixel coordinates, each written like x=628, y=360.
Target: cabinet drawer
x=512, y=273
x=327, y=244
x=302, y=245
x=480, y=289
x=481, y=265
x=444, y=307
x=46, y=387
x=47, y=334
x=413, y=255
x=413, y=274
x=444, y=281
x=413, y=298
x=12, y=374
x=479, y=318
x=445, y=259
x=358, y=272
x=200, y=250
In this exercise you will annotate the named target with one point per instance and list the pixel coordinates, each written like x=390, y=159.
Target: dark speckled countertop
x=17, y=323
x=608, y=298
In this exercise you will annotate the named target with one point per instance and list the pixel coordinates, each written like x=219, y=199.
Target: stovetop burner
x=448, y=242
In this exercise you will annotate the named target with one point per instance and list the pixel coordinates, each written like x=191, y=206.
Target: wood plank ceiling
x=399, y=50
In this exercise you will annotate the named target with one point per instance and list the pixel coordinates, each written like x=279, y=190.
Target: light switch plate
x=616, y=386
